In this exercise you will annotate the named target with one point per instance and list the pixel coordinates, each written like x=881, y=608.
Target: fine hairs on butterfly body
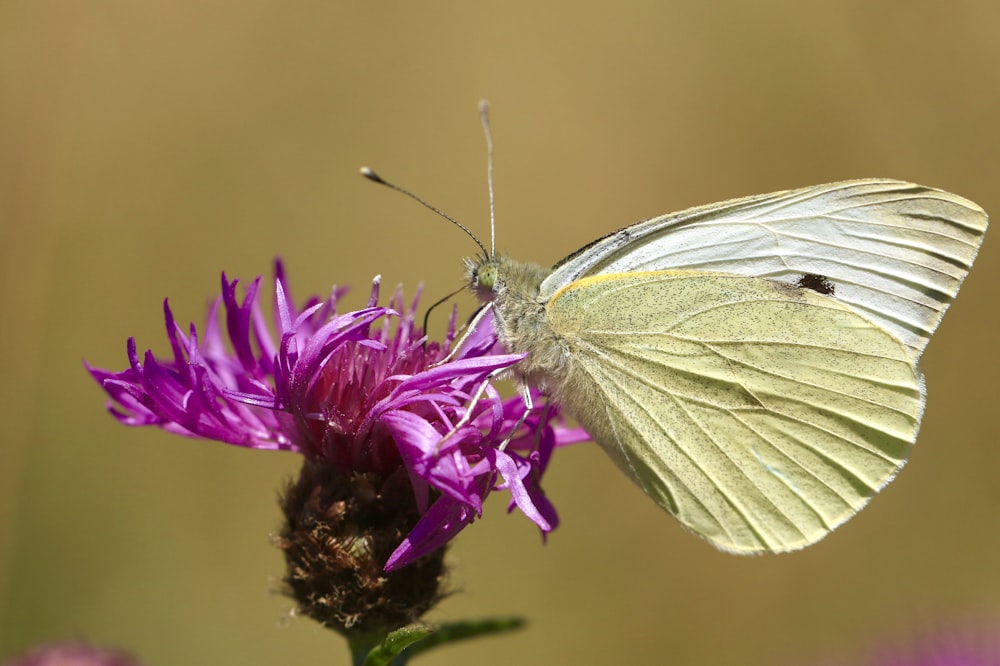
x=750, y=364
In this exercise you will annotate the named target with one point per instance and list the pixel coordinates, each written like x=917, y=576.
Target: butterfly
x=753, y=364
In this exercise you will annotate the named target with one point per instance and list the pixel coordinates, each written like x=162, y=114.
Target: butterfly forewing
x=760, y=414
x=894, y=251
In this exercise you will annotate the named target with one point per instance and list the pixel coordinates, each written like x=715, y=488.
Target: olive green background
x=146, y=146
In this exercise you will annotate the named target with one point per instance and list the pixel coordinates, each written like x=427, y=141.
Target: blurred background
x=145, y=147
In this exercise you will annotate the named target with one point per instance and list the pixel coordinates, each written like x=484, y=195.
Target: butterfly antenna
x=374, y=177
x=484, y=118
x=427, y=315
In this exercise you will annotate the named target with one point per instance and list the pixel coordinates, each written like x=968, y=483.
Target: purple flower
x=961, y=646
x=71, y=654
x=362, y=392
x=970, y=642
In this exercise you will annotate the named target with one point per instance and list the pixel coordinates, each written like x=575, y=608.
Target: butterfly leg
x=469, y=331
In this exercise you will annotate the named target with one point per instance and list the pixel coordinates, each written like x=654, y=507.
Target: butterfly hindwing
x=760, y=414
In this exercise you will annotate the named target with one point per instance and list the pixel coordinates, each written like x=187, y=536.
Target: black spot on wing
x=817, y=283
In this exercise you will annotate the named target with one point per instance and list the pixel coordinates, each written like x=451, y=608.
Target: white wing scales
x=761, y=416
x=895, y=251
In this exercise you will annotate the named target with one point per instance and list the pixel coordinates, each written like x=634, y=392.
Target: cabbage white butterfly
x=750, y=364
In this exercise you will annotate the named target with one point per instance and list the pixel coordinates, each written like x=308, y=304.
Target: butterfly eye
x=486, y=276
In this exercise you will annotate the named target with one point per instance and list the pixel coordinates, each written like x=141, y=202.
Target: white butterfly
x=751, y=364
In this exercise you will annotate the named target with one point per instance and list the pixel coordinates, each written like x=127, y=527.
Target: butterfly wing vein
x=762, y=416
x=896, y=251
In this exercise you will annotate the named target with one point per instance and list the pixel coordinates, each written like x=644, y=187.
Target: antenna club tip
x=484, y=106
x=371, y=175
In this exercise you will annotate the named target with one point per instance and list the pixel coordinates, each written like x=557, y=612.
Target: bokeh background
x=145, y=147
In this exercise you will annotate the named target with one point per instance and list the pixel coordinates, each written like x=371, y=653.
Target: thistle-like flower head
x=402, y=437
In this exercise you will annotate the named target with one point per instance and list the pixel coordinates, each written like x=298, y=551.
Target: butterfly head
x=504, y=279
x=482, y=277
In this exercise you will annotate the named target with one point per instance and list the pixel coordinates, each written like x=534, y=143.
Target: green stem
x=360, y=646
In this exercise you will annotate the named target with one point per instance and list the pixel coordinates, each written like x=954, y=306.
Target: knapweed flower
x=72, y=654
x=968, y=642
x=958, y=646
x=402, y=438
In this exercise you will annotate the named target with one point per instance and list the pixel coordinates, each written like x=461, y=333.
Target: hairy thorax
x=519, y=317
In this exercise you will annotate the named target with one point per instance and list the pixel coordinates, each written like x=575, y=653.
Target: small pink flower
x=71, y=654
